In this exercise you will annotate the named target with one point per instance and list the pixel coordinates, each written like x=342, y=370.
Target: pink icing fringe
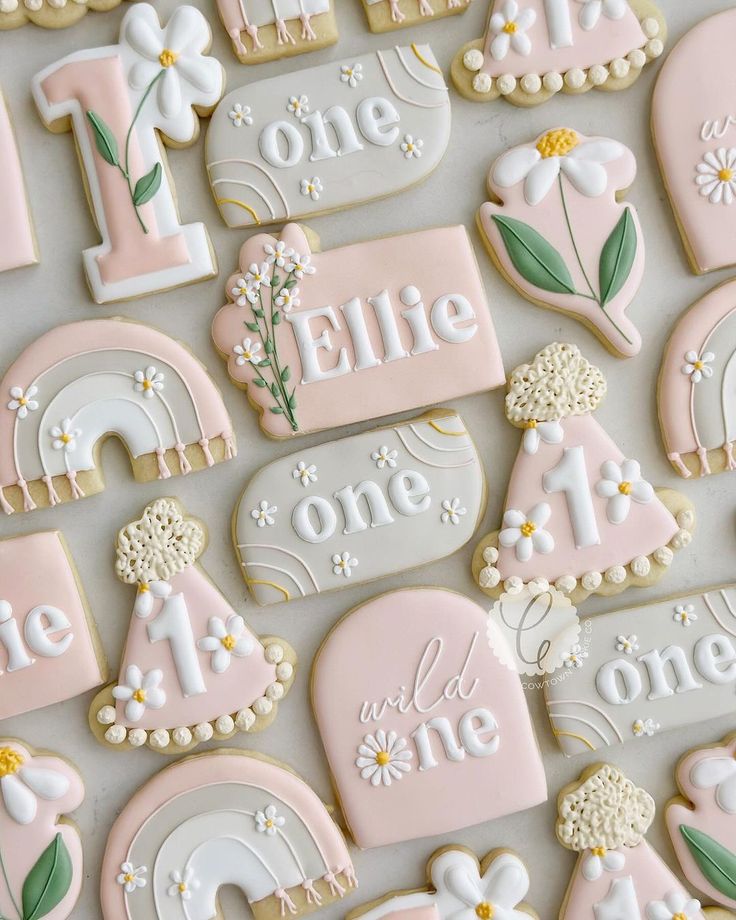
x=335, y=887
x=28, y=503
x=282, y=33
x=313, y=896
x=184, y=465
x=205, y=445
x=283, y=895
x=5, y=504
x=730, y=462
x=163, y=471
x=76, y=491
x=308, y=32
x=349, y=873
x=53, y=496
x=676, y=461
x=704, y=468
x=230, y=451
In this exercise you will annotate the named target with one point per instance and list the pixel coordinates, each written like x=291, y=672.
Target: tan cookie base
x=380, y=18
x=49, y=18
x=324, y=25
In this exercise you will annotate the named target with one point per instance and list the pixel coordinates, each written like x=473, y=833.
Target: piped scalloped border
x=534, y=88
x=184, y=738
x=640, y=572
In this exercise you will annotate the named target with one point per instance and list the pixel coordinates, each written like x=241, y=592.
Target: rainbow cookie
x=17, y=240
x=82, y=383
x=224, y=818
x=119, y=101
x=387, y=15
x=191, y=670
x=534, y=49
x=578, y=514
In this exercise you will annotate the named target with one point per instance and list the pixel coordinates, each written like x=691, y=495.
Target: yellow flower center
x=10, y=761
x=598, y=851
x=532, y=423
x=557, y=143
x=382, y=758
x=229, y=642
x=679, y=916
x=510, y=28
x=182, y=887
x=140, y=696
x=65, y=438
x=269, y=823
x=168, y=58
x=528, y=528
x=725, y=175
x=484, y=911
x=625, y=488
x=147, y=384
x=128, y=877
x=144, y=587
x=698, y=365
x=248, y=355
x=22, y=401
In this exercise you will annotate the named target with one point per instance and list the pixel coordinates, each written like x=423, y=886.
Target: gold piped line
x=561, y=734
x=240, y=204
x=271, y=584
x=452, y=434
x=423, y=59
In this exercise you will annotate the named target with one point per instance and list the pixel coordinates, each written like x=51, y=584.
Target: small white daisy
x=225, y=639
x=696, y=365
x=684, y=614
x=351, y=74
x=140, y=692
x=311, y=188
x=288, y=298
x=298, y=105
x=247, y=353
x=716, y=175
x=131, y=877
x=65, y=437
x=602, y=860
x=642, y=727
x=383, y=758
x=452, y=511
x=385, y=457
x=242, y=293
x=526, y=533
x=509, y=26
x=257, y=275
x=343, y=564
x=23, y=402
x=411, y=146
x=300, y=265
x=240, y=115
x=305, y=474
x=278, y=254
x=575, y=657
x=677, y=905
x=269, y=821
x=183, y=884
x=149, y=382
x=627, y=644
x=263, y=514
x=620, y=484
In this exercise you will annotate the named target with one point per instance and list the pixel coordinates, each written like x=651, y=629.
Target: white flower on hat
x=622, y=484
x=225, y=640
x=140, y=692
x=510, y=26
x=526, y=532
x=676, y=906
x=593, y=9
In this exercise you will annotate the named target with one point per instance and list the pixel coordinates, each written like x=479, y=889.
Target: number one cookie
x=115, y=99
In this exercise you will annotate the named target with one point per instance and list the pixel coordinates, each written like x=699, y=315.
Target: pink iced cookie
x=702, y=820
x=534, y=49
x=17, y=242
x=579, y=514
x=425, y=730
x=557, y=230
x=603, y=817
x=41, y=849
x=358, y=332
x=49, y=649
x=118, y=101
x=79, y=384
x=192, y=669
x=223, y=818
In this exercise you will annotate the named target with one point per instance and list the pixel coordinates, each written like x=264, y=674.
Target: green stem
x=10, y=891
x=126, y=171
x=270, y=357
x=277, y=365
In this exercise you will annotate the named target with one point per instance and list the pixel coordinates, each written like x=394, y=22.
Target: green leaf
x=275, y=390
x=258, y=312
x=147, y=186
x=276, y=318
x=48, y=881
x=617, y=257
x=290, y=284
x=717, y=863
x=275, y=280
x=285, y=374
x=260, y=382
x=277, y=410
x=536, y=260
x=269, y=347
x=107, y=146
x=252, y=326
x=265, y=363
x=292, y=401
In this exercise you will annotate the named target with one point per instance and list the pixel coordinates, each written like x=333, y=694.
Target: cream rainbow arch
x=81, y=383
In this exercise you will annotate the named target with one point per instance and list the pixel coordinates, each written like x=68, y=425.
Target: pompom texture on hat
x=605, y=810
x=558, y=383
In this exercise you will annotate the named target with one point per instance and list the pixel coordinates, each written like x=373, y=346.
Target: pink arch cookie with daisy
x=191, y=669
x=387, y=15
x=694, y=390
x=534, y=49
x=579, y=514
x=41, y=853
x=460, y=887
x=426, y=730
x=117, y=101
x=223, y=818
x=558, y=231
x=82, y=383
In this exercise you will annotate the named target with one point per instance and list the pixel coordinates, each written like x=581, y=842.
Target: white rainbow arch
x=77, y=385
x=202, y=820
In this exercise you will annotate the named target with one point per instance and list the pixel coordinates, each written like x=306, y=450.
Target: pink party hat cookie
x=579, y=514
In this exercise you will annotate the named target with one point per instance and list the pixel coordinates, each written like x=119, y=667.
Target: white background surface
x=35, y=299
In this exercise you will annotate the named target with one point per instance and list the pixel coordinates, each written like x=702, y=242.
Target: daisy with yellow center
x=140, y=692
x=383, y=758
x=65, y=436
x=182, y=884
x=168, y=58
x=22, y=401
x=509, y=27
x=525, y=533
x=10, y=761
x=716, y=175
x=225, y=640
x=269, y=821
x=484, y=911
x=23, y=783
x=132, y=877
x=602, y=859
x=621, y=484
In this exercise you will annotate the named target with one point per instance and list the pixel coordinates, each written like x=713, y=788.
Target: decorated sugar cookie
x=119, y=101
x=495, y=887
x=579, y=513
x=40, y=848
x=51, y=14
x=696, y=147
x=702, y=819
x=603, y=817
x=644, y=670
x=49, y=648
x=694, y=392
x=534, y=49
x=426, y=731
x=81, y=383
x=330, y=137
x=17, y=240
x=266, y=31
x=191, y=670
x=325, y=339
x=387, y=15
x=223, y=818
x=557, y=230
x=355, y=510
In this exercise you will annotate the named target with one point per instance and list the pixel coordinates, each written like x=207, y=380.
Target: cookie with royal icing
x=228, y=817
x=329, y=137
x=579, y=514
x=17, y=239
x=191, y=669
x=697, y=421
x=278, y=29
x=354, y=510
x=49, y=647
x=558, y=230
x=534, y=49
x=81, y=383
x=41, y=855
x=120, y=101
x=387, y=15
x=427, y=731
x=603, y=817
x=50, y=14
x=459, y=884
x=325, y=339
